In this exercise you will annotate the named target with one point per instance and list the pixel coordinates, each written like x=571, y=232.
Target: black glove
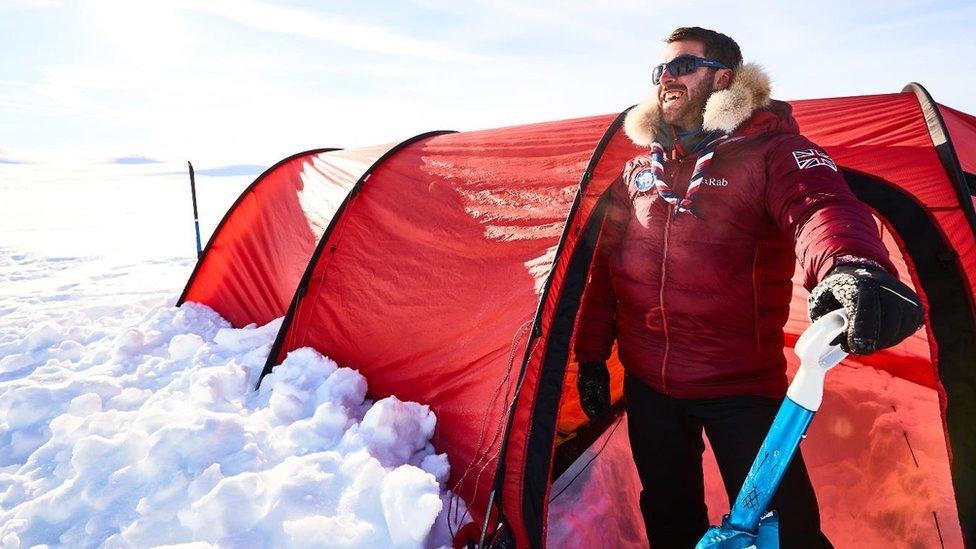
x=593, y=384
x=881, y=310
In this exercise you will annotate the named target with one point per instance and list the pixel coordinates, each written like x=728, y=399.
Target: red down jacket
x=698, y=305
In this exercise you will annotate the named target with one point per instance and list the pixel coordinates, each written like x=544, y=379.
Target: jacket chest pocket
x=732, y=201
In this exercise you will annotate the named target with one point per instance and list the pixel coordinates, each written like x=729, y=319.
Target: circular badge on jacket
x=644, y=180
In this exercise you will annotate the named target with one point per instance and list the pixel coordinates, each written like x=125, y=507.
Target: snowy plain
x=127, y=422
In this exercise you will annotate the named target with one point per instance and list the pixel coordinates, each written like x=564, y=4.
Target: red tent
x=448, y=269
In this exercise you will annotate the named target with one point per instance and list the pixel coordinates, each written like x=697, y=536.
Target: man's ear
x=723, y=79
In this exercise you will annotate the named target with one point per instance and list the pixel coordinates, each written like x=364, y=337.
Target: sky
x=237, y=85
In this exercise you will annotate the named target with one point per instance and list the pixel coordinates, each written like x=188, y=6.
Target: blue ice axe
x=748, y=524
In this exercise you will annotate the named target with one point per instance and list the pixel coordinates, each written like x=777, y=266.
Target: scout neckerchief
x=653, y=176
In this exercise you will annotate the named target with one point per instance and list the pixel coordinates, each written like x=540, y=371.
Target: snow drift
x=153, y=435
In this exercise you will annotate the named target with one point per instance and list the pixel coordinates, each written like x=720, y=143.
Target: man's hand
x=593, y=383
x=882, y=311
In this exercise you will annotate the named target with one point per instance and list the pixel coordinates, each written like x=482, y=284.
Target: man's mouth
x=672, y=95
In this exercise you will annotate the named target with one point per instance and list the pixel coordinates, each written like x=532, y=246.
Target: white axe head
x=814, y=348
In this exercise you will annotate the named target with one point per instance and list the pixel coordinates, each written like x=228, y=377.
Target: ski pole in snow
x=748, y=524
x=196, y=219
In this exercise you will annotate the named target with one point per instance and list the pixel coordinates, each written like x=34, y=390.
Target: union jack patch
x=809, y=158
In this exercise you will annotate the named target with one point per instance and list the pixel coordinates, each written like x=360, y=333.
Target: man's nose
x=666, y=76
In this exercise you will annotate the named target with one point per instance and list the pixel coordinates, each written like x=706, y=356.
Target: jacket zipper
x=664, y=273
x=664, y=313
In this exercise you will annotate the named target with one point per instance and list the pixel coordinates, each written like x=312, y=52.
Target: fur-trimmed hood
x=725, y=110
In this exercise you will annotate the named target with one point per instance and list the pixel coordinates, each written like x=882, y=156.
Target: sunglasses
x=682, y=65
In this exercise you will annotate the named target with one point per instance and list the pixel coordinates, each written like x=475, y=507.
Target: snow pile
x=600, y=488
x=877, y=456
x=153, y=435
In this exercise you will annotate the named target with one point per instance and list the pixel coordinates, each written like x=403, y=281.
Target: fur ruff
x=725, y=109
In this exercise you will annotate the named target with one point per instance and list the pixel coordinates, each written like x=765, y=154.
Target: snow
x=600, y=487
x=154, y=436
x=125, y=421
x=876, y=452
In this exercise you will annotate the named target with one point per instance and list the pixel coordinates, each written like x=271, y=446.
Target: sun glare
x=146, y=32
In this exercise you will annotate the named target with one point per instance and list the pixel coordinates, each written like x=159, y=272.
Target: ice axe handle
x=770, y=465
x=804, y=395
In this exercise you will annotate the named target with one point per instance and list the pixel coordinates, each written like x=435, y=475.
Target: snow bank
x=152, y=435
x=876, y=453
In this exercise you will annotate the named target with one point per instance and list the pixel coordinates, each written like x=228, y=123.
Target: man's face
x=682, y=99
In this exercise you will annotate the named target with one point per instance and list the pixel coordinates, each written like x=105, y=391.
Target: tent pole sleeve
x=959, y=380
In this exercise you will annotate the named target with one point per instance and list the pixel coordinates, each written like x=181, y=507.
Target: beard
x=686, y=112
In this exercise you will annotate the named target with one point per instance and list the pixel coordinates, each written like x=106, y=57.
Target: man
x=692, y=278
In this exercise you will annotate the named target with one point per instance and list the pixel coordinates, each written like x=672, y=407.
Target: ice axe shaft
x=742, y=525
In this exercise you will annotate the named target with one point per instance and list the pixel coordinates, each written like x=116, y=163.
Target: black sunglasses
x=682, y=65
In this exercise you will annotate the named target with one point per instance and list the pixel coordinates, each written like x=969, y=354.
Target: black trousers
x=666, y=440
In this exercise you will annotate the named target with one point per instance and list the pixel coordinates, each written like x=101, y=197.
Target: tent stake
x=196, y=218
x=484, y=527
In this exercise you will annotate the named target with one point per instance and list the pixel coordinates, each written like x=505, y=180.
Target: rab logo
x=715, y=182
